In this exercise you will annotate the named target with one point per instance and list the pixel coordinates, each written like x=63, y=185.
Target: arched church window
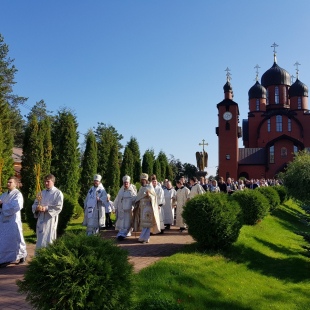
x=295, y=148
x=267, y=96
x=268, y=125
x=271, y=154
x=299, y=103
x=257, y=104
x=276, y=95
x=285, y=95
x=279, y=123
x=289, y=124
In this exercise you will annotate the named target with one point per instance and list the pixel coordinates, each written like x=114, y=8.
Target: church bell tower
x=228, y=133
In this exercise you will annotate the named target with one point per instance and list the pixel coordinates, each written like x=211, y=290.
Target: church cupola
x=228, y=91
x=298, y=93
x=257, y=95
x=277, y=81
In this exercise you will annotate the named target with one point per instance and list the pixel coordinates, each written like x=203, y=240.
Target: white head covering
x=144, y=176
x=126, y=178
x=97, y=177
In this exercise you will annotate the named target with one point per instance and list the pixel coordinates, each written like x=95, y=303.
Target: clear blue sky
x=153, y=69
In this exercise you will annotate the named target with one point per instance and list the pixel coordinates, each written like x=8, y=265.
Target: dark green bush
x=79, y=272
x=214, y=221
x=64, y=216
x=254, y=205
x=272, y=195
x=282, y=192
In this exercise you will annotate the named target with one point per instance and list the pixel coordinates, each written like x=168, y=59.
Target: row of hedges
x=215, y=220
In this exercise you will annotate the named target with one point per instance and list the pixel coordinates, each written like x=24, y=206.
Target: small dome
x=298, y=89
x=227, y=87
x=257, y=91
x=275, y=76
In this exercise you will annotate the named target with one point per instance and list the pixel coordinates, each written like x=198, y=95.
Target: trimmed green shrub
x=64, y=216
x=282, y=192
x=254, y=205
x=158, y=303
x=79, y=272
x=271, y=194
x=214, y=221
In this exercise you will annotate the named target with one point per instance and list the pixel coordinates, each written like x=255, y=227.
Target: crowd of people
x=150, y=210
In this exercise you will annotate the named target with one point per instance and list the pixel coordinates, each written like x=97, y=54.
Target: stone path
x=140, y=255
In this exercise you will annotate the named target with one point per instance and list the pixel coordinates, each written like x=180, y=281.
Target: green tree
x=176, y=168
x=65, y=154
x=89, y=165
x=189, y=170
x=127, y=167
x=32, y=155
x=106, y=137
x=46, y=138
x=148, y=161
x=40, y=111
x=296, y=178
x=134, y=147
x=157, y=169
x=11, y=118
x=113, y=172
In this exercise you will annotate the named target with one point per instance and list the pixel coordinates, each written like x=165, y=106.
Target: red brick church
x=277, y=126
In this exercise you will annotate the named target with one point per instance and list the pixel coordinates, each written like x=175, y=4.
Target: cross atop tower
x=228, y=74
x=274, y=45
x=296, y=64
x=257, y=67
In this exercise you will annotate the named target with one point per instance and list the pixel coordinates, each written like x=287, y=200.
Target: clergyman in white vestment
x=12, y=243
x=123, y=204
x=47, y=212
x=94, y=207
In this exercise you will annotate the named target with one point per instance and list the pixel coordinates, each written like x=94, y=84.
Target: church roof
x=298, y=89
x=252, y=156
x=275, y=76
x=257, y=91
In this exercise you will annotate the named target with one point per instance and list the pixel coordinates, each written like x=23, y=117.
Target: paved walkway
x=140, y=255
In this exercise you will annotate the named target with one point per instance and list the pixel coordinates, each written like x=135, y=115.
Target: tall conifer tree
x=157, y=169
x=65, y=153
x=148, y=162
x=134, y=147
x=89, y=165
x=127, y=167
x=113, y=172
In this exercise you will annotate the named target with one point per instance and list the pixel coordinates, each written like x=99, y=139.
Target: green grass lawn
x=267, y=268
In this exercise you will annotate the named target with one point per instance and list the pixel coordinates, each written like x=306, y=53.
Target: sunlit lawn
x=267, y=268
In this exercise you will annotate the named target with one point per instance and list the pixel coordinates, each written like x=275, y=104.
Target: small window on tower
x=295, y=149
x=271, y=154
x=289, y=124
x=257, y=104
x=268, y=125
x=283, y=152
x=227, y=126
x=299, y=103
x=276, y=95
x=267, y=96
x=279, y=123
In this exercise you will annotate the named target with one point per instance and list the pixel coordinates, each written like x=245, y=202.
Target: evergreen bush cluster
x=282, y=192
x=79, y=272
x=214, y=220
x=272, y=195
x=254, y=205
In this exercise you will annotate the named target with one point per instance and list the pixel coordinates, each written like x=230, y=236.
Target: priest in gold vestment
x=146, y=214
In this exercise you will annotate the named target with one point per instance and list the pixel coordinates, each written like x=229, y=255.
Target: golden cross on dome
x=274, y=45
x=228, y=74
x=296, y=64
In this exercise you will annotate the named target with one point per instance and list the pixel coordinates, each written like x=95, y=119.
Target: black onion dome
x=227, y=87
x=275, y=76
x=298, y=89
x=257, y=91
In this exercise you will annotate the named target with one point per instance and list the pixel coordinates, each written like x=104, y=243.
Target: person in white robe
x=196, y=188
x=46, y=209
x=123, y=204
x=182, y=197
x=12, y=243
x=169, y=205
x=95, y=207
x=145, y=214
x=160, y=200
